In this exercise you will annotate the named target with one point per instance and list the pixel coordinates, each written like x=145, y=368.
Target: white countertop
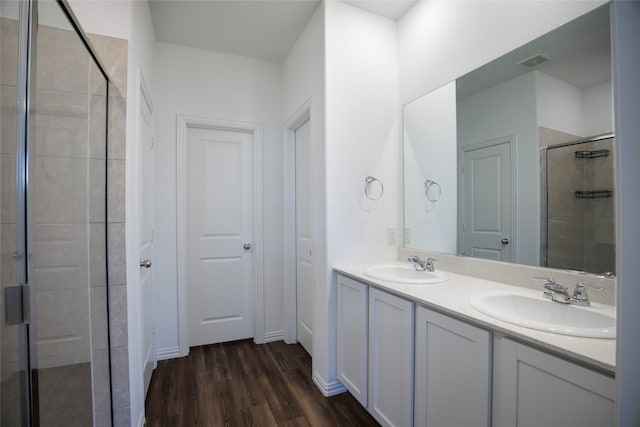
x=452, y=298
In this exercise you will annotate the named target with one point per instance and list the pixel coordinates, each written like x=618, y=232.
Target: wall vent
x=534, y=61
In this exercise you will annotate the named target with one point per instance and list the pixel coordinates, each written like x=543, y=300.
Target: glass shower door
x=67, y=197
x=54, y=330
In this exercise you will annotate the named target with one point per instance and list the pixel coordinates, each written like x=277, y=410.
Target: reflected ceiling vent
x=534, y=61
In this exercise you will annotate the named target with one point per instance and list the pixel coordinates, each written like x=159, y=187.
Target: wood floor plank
x=298, y=422
x=243, y=384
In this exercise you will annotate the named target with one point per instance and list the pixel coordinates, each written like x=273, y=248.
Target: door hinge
x=153, y=143
x=153, y=235
x=16, y=305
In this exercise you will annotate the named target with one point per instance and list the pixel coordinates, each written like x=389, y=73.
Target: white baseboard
x=273, y=336
x=168, y=353
x=328, y=389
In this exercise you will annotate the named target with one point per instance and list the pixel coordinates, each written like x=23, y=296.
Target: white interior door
x=304, y=241
x=145, y=139
x=219, y=235
x=487, y=228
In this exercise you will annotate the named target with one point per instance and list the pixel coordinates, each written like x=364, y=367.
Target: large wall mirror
x=514, y=161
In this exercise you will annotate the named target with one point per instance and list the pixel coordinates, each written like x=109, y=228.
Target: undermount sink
x=595, y=321
x=404, y=273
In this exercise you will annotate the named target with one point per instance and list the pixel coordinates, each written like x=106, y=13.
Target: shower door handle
x=505, y=241
x=146, y=263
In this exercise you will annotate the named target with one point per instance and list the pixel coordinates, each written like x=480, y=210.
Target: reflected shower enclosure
x=55, y=353
x=578, y=205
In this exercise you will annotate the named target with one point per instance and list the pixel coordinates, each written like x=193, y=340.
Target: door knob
x=146, y=263
x=504, y=241
x=246, y=246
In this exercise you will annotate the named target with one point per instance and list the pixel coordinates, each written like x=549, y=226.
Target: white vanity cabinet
x=533, y=388
x=375, y=350
x=452, y=372
x=390, y=359
x=353, y=350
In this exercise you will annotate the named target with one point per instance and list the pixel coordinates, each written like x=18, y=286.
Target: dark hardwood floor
x=243, y=384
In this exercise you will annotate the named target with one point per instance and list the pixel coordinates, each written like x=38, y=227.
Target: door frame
x=289, y=220
x=513, y=141
x=183, y=123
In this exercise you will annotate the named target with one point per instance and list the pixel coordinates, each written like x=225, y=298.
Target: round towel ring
x=432, y=190
x=370, y=185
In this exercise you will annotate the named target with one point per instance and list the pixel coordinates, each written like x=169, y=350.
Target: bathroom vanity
x=422, y=355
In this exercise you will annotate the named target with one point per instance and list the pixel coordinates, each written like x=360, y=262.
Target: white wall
x=221, y=86
x=362, y=138
x=598, y=109
x=304, y=71
x=514, y=102
x=430, y=148
x=559, y=105
x=108, y=18
x=567, y=108
x=440, y=41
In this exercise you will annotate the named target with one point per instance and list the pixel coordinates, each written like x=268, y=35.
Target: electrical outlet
x=407, y=235
x=391, y=236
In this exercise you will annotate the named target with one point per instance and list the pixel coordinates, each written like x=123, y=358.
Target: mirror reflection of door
x=487, y=207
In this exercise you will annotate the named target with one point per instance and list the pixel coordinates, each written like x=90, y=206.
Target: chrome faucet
x=422, y=265
x=554, y=291
x=580, y=296
x=558, y=293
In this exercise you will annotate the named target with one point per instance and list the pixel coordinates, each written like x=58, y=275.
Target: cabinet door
x=453, y=372
x=390, y=359
x=533, y=388
x=352, y=345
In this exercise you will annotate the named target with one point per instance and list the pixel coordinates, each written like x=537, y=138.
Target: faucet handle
x=547, y=280
x=581, y=287
x=580, y=296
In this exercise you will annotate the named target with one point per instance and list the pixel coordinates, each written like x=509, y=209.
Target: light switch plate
x=392, y=236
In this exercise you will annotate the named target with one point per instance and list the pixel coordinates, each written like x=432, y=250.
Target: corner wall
x=362, y=138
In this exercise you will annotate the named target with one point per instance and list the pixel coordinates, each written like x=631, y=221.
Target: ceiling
x=262, y=29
